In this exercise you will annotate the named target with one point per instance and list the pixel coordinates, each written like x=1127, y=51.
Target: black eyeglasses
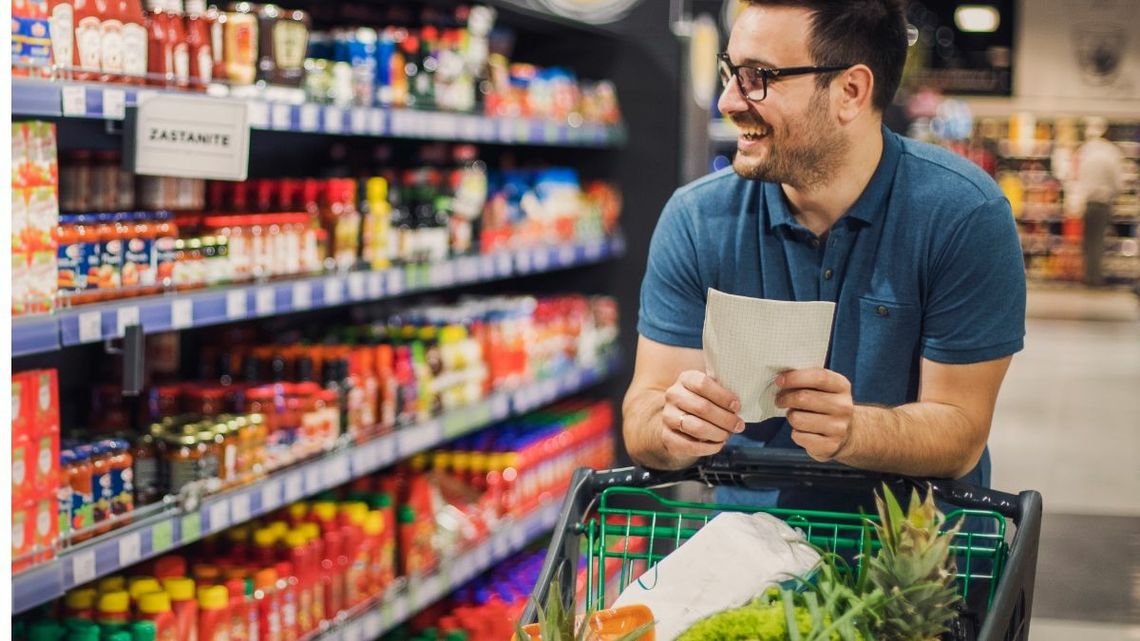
x=753, y=81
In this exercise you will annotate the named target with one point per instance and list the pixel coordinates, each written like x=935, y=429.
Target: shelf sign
x=189, y=137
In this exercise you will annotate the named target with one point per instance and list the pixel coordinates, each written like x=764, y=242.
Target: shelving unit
x=58, y=99
x=94, y=323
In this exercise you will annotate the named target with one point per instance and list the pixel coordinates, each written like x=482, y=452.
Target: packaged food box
x=43, y=162
x=19, y=155
x=42, y=281
x=23, y=534
x=45, y=389
x=22, y=455
x=45, y=514
x=42, y=217
x=19, y=283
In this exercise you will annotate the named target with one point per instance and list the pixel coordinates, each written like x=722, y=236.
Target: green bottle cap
x=80, y=624
x=45, y=631
x=430, y=633
x=407, y=514
x=456, y=635
x=142, y=631
x=121, y=635
x=87, y=633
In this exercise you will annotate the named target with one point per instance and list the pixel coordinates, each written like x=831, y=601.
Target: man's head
x=800, y=131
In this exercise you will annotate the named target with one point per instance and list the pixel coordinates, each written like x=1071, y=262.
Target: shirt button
x=827, y=274
x=815, y=243
x=881, y=310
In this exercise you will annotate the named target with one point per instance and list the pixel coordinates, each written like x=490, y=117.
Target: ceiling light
x=977, y=18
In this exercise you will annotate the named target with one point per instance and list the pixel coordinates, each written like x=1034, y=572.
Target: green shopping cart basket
x=625, y=526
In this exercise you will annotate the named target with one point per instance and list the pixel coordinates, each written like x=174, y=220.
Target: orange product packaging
x=287, y=585
x=170, y=566
x=237, y=613
x=44, y=384
x=43, y=157
x=20, y=283
x=156, y=607
x=42, y=217
x=268, y=605
x=214, y=614
x=184, y=605
x=23, y=534
x=19, y=155
x=23, y=416
x=42, y=278
x=46, y=515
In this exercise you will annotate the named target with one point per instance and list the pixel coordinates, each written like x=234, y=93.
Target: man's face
x=789, y=137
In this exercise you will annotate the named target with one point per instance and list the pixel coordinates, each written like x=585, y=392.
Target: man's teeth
x=753, y=134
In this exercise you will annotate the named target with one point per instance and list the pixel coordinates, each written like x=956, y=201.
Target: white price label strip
x=566, y=255
x=375, y=122
x=266, y=301
x=334, y=120
x=128, y=316
x=541, y=259
x=314, y=478
x=74, y=101
x=83, y=567
x=281, y=116
x=235, y=305
x=356, y=282
x=419, y=438
x=302, y=296
x=503, y=264
x=181, y=314
x=293, y=485
x=373, y=624
x=130, y=549
x=90, y=327
x=219, y=516
x=271, y=496
x=359, y=120
x=395, y=284
x=354, y=630
x=334, y=291
x=239, y=508
x=362, y=458
x=114, y=104
x=258, y=113
x=385, y=451
x=376, y=285
x=336, y=472
x=310, y=117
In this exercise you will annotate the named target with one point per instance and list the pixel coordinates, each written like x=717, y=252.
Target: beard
x=806, y=151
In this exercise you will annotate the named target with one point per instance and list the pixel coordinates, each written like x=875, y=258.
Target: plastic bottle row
x=286, y=575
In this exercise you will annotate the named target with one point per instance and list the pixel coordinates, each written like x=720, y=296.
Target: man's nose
x=731, y=100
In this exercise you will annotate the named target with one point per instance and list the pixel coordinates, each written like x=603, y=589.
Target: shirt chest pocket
x=887, y=353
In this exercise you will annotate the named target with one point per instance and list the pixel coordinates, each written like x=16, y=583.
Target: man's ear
x=854, y=92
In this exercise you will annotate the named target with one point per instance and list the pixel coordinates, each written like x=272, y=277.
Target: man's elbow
x=972, y=452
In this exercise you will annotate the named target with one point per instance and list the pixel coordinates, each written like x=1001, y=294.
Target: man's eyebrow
x=753, y=62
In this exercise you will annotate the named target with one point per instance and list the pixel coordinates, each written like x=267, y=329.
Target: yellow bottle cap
x=117, y=602
x=478, y=462
x=298, y=511
x=214, y=597
x=325, y=510
x=154, y=603
x=441, y=460
x=264, y=538
x=296, y=538
x=356, y=512
x=179, y=588
x=374, y=523
x=312, y=531
x=143, y=585
x=419, y=462
x=460, y=462
x=81, y=599
x=112, y=584
x=279, y=528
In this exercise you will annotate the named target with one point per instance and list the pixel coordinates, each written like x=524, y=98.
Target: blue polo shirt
x=926, y=264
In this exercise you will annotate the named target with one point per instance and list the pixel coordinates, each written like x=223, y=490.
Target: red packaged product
x=268, y=605
x=155, y=606
x=23, y=421
x=239, y=618
x=23, y=534
x=200, y=47
x=214, y=619
x=184, y=605
x=287, y=585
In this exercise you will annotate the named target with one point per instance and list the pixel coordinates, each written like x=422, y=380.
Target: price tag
x=334, y=120
x=334, y=291
x=302, y=296
x=500, y=546
x=90, y=327
x=74, y=101
x=354, y=630
x=361, y=460
x=541, y=259
x=314, y=479
x=281, y=119
x=162, y=536
x=310, y=117
x=127, y=316
x=375, y=122
x=500, y=407
x=395, y=284
x=385, y=451
x=419, y=438
x=293, y=492
x=337, y=472
x=181, y=314
x=258, y=114
x=356, y=286
x=219, y=516
x=358, y=120
x=517, y=537
x=270, y=496
x=594, y=250
x=503, y=264
x=239, y=508
x=376, y=285
x=130, y=549
x=114, y=104
x=550, y=133
x=191, y=527
x=566, y=255
x=550, y=390
x=83, y=567
x=487, y=266
x=574, y=380
x=373, y=625
x=443, y=274
x=235, y=305
x=432, y=589
x=523, y=262
x=266, y=301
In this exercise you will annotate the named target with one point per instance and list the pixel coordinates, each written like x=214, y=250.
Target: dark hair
x=870, y=32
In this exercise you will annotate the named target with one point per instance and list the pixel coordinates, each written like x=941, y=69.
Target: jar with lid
x=138, y=255
x=165, y=240
x=259, y=438
x=148, y=484
x=164, y=401
x=245, y=454
x=207, y=401
x=121, y=467
x=211, y=442
x=290, y=44
x=79, y=474
x=183, y=460
x=228, y=449
x=101, y=483
x=240, y=43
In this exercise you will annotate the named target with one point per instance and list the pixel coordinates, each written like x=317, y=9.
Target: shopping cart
x=617, y=517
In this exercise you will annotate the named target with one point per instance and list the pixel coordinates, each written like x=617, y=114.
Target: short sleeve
x=672, y=293
x=975, y=307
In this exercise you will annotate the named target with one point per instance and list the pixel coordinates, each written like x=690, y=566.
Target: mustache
x=749, y=121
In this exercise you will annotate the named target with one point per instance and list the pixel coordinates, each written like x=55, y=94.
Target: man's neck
x=818, y=206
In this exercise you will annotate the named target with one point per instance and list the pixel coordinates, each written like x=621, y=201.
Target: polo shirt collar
x=870, y=205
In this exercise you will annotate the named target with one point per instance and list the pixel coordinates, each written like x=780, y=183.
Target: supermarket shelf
x=94, y=323
x=369, y=622
x=59, y=99
x=114, y=551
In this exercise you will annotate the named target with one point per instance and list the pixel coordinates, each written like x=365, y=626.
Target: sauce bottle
x=61, y=17
x=112, y=584
x=113, y=611
x=316, y=552
x=111, y=41
x=137, y=586
x=184, y=605
x=111, y=231
x=268, y=605
x=180, y=53
x=101, y=483
x=78, y=471
x=169, y=566
x=237, y=611
x=296, y=544
x=140, y=254
x=80, y=604
x=122, y=477
x=143, y=631
x=287, y=585
x=165, y=235
x=135, y=47
x=88, y=40
x=214, y=614
x=160, y=51
x=155, y=607
x=240, y=42
x=200, y=45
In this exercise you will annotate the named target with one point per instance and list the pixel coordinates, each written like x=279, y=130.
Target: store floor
x=1068, y=425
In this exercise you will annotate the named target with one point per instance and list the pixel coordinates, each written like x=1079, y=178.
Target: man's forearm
x=918, y=439
x=641, y=429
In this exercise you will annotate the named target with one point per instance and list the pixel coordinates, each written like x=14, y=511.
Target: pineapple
x=914, y=569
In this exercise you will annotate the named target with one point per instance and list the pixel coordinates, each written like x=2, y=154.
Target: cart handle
x=784, y=464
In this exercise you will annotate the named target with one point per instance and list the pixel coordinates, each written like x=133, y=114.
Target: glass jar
x=183, y=460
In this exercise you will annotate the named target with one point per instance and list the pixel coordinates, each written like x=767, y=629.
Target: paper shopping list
x=749, y=341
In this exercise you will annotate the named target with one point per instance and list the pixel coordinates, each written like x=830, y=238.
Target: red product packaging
x=45, y=512
x=44, y=397
x=23, y=428
x=23, y=534
x=184, y=605
x=214, y=614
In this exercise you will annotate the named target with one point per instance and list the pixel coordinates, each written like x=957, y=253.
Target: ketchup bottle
x=155, y=606
x=297, y=545
x=268, y=605
x=200, y=47
x=160, y=50
x=180, y=50
x=287, y=584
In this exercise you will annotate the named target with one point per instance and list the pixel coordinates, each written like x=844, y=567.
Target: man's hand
x=820, y=410
x=699, y=416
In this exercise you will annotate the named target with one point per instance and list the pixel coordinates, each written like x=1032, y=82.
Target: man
x=916, y=246
x=1100, y=177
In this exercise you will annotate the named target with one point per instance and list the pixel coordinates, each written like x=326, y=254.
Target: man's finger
x=811, y=422
x=817, y=378
x=704, y=385
x=702, y=408
x=816, y=446
x=811, y=400
x=700, y=429
x=682, y=445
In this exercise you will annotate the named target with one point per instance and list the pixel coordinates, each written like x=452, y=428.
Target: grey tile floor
x=1068, y=424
